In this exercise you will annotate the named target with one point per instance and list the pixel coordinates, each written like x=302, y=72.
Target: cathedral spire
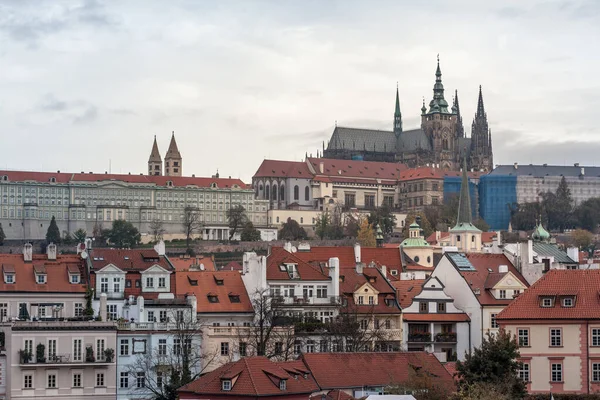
x=397, y=115
x=155, y=161
x=155, y=154
x=438, y=104
x=460, y=129
x=464, y=203
x=173, y=160
x=480, y=109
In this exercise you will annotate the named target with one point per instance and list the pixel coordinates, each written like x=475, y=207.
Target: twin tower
x=173, y=162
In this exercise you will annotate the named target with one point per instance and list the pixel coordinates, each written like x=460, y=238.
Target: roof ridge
x=245, y=359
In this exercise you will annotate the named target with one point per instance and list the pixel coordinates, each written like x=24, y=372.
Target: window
x=124, y=381
x=77, y=347
x=9, y=278
x=124, y=347
x=151, y=316
x=596, y=372
x=364, y=324
x=100, y=379
x=310, y=346
x=41, y=278
x=596, y=337
x=306, y=193
x=555, y=337
x=74, y=278
x=361, y=299
x=556, y=375
x=388, y=201
x=162, y=347
x=76, y=380
x=159, y=379
x=547, y=302
x=243, y=349
x=349, y=199
x=388, y=324
x=162, y=282
x=212, y=299
x=502, y=293
x=149, y=282
x=493, y=322
x=297, y=347
x=141, y=379
x=78, y=309
x=524, y=372
x=369, y=201
x=371, y=300
x=523, y=335
x=567, y=302
x=278, y=347
x=103, y=285
x=423, y=307
x=282, y=384
x=296, y=193
x=51, y=381
x=226, y=383
x=162, y=315
x=234, y=298
x=177, y=346
x=323, y=347
x=441, y=307
x=322, y=291
x=224, y=348
x=100, y=350
x=28, y=381
x=111, y=311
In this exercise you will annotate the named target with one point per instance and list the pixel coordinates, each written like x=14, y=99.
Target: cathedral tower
x=439, y=126
x=481, y=139
x=173, y=161
x=460, y=129
x=155, y=161
x=397, y=116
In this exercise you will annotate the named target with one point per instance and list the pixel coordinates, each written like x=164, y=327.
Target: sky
x=85, y=85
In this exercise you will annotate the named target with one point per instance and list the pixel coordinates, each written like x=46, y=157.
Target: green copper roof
x=414, y=242
x=438, y=104
x=414, y=225
x=465, y=227
x=540, y=234
x=464, y=221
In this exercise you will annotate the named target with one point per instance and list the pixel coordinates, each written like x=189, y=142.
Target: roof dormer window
x=212, y=298
x=40, y=274
x=568, y=301
x=74, y=278
x=234, y=298
x=226, y=385
x=218, y=281
x=40, y=278
x=9, y=277
x=547, y=302
x=282, y=384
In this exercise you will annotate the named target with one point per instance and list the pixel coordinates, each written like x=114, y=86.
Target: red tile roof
x=446, y=317
x=335, y=169
x=451, y=368
x=307, y=272
x=184, y=264
x=407, y=289
x=223, y=284
x=583, y=284
x=128, y=260
x=23, y=176
x=254, y=376
x=232, y=266
x=333, y=395
x=57, y=274
x=390, y=257
x=283, y=169
x=352, y=370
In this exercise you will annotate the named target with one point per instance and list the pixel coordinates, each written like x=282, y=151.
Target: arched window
x=267, y=192
x=473, y=239
x=306, y=193
x=274, y=192
x=429, y=259
x=296, y=193
x=282, y=193
x=445, y=144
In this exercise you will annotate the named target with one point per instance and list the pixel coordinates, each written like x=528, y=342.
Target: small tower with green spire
x=465, y=236
x=397, y=115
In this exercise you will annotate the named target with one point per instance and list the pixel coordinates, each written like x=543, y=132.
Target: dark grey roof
x=413, y=140
x=545, y=170
x=552, y=250
x=362, y=139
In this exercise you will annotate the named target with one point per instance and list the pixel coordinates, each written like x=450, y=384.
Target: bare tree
x=157, y=229
x=173, y=363
x=237, y=218
x=423, y=386
x=191, y=223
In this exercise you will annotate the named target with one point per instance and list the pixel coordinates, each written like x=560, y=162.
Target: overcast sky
x=85, y=82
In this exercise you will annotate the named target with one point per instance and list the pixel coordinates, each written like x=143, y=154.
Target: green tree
x=495, y=362
x=383, y=217
x=123, y=234
x=67, y=238
x=582, y=239
x=322, y=225
x=237, y=218
x=481, y=224
x=366, y=235
x=250, y=233
x=53, y=233
x=525, y=217
x=291, y=230
x=587, y=214
x=2, y=235
x=424, y=224
x=558, y=207
x=79, y=235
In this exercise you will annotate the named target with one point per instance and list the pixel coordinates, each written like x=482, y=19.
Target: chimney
x=193, y=302
x=359, y=267
x=516, y=165
x=334, y=273
x=160, y=248
x=88, y=244
x=51, y=252
x=103, y=306
x=288, y=247
x=384, y=271
x=28, y=252
x=503, y=269
x=321, y=167
x=438, y=236
x=357, y=252
x=582, y=171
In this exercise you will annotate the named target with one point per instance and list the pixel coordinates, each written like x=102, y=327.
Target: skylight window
x=213, y=298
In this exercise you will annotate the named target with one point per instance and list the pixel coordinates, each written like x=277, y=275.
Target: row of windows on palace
x=368, y=200
x=51, y=379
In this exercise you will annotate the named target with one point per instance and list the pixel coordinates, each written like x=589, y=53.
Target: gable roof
x=127, y=259
x=187, y=263
x=407, y=290
x=57, y=274
x=222, y=284
x=306, y=271
x=360, y=139
x=336, y=170
x=333, y=395
x=255, y=376
x=283, y=169
x=583, y=284
x=552, y=250
x=352, y=370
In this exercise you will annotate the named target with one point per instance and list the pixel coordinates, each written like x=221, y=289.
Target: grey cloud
x=51, y=103
x=78, y=111
x=89, y=114
x=510, y=12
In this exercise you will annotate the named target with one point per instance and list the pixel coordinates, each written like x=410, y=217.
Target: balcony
x=308, y=301
x=111, y=295
x=227, y=330
x=146, y=326
x=422, y=337
x=445, y=337
x=64, y=359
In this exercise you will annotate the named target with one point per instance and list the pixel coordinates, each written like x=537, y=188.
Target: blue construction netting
x=452, y=186
x=496, y=193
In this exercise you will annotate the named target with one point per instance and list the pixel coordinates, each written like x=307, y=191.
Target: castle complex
x=173, y=161
x=439, y=141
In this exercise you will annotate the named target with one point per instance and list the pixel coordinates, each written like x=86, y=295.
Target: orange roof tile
x=280, y=256
x=281, y=169
x=583, y=284
x=333, y=395
x=255, y=376
x=57, y=274
x=432, y=173
x=232, y=266
x=226, y=285
x=128, y=259
x=184, y=264
x=340, y=169
x=407, y=289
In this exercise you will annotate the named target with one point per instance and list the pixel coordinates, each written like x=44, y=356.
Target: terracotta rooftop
x=187, y=263
x=432, y=173
x=232, y=266
x=333, y=395
x=407, y=289
x=354, y=169
x=127, y=259
x=584, y=285
x=255, y=376
x=279, y=257
x=283, y=169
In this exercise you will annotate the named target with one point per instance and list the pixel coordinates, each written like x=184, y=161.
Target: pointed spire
x=460, y=129
x=423, y=109
x=438, y=71
x=173, y=151
x=397, y=115
x=464, y=204
x=155, y=154
x=438, y=104
x=480, y=109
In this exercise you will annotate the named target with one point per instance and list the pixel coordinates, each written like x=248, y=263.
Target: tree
x=423, y=223
x=157, y=229
x=123, y=234
x=383, y=218
x=191, y=223
x=322, y=225
x=558, y=206
x=237, y=218
x=174, y=365
x=421, y=385
x=525, y=217
x=495, y=362
x=80, y=235
x=67, y=238
x=366, y=235
x=291, y=230
x=587, y=215
x=484, y=391
x=351, y=226
x=481, y=224
x=2, y=235
x=250, y=233
x=53, y=233
x=582, y=239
